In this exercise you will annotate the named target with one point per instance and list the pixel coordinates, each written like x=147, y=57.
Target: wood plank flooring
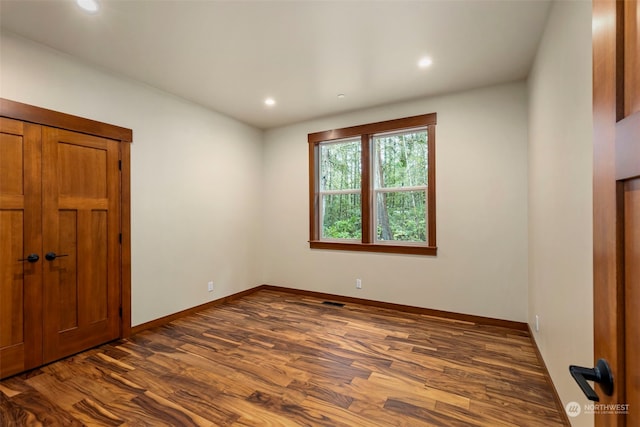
x=277, y=359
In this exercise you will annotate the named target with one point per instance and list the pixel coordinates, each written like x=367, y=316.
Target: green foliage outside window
x=400, y=161
x=342, y=217
x=402, y=216
x=340, y=170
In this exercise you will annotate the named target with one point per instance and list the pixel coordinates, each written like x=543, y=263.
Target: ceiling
x=231, y=55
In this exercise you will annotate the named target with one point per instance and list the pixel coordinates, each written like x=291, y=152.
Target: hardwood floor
x=277, y=359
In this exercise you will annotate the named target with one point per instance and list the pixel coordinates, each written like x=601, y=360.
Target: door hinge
x=120, y=311
x=119, y=164
x=120, y=237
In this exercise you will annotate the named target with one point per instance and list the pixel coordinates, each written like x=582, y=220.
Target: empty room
x=320, y=213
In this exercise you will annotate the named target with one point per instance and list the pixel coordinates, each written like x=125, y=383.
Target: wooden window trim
x=368, y=243
x=42, y=116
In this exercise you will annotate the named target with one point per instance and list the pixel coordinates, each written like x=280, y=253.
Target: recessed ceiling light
x=270, y=102
x=425, y=62
x=341, y=96
x=88, y=5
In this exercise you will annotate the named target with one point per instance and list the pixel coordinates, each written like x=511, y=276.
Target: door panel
x=82, y=171
x=97, y=294
x=628, y=170
x=11, y=159
x=20, y=228
x=12, y=295
x=632, y=297
x=81, y=217
x=67, y=270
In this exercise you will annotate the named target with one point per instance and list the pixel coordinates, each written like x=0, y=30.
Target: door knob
x=600, y=374
x=50, y=256
x=31, y=258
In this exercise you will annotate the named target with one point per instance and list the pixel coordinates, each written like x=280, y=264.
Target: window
x=372, y=187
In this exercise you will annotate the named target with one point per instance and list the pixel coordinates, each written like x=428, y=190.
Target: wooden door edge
x=125, y=246
x=608, y=303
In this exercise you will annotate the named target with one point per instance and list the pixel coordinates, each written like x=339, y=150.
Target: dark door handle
x=600, y=374
x=50, y=256
x=31, y=258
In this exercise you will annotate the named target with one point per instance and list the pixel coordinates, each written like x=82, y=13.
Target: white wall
x=560, y=197
x=195, y=177
x=481, y=266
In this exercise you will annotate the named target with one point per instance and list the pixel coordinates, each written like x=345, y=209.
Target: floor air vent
x=336, y=304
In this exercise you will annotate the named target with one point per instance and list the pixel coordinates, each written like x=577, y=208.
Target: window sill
x=372, y=247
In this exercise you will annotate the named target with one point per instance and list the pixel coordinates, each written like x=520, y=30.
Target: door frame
x=42, y=116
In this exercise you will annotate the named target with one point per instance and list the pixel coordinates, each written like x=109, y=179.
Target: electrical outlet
x=358, y=284
x=210, y=286
x=537, y=323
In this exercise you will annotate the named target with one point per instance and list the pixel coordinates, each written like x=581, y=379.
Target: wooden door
x=20, y=231
x=65, y=204
x=81, y=226
x=616, y=94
